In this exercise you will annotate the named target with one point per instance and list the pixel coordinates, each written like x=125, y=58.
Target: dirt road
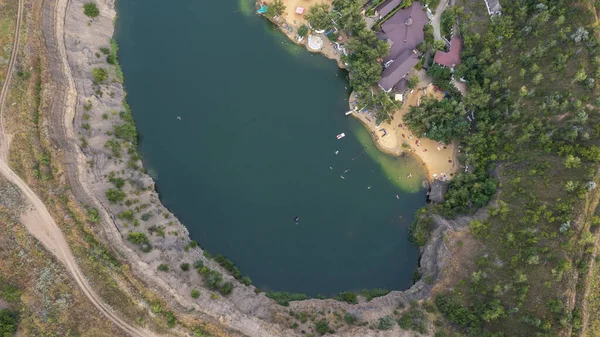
x=38, y=220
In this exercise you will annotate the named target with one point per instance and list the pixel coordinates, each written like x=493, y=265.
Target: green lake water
x=255, y=147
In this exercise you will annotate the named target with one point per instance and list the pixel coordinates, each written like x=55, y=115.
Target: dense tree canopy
x=438, y=120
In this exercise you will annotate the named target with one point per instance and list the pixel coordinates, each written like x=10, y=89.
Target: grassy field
x=8, y=14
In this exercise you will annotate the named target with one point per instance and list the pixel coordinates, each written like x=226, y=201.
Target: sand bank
x=289, y=23
x=439, y=160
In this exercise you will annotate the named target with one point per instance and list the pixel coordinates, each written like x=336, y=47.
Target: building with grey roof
x=387, y=7
x=405, y=30
x=393, y=75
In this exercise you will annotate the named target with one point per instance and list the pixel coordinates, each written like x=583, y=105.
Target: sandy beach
x=393, y=138
x=290, y=21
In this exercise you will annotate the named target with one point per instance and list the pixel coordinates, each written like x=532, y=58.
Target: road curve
x=436, y=20
x=38, y=220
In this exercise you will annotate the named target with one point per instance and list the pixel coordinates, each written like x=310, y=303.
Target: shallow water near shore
x=255, y=147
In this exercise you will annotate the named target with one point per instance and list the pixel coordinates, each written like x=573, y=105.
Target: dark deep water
x=254, y=149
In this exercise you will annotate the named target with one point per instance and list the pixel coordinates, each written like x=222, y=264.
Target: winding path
x=38, y=220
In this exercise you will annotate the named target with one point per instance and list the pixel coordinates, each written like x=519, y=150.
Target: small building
x=438, y=191
x=394, y=76
x=493, y=7
x=450, y=59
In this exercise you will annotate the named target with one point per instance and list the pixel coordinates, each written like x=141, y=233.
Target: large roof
x=405, y=29
x=452, y=58
x=398, y=70
x=387, y=7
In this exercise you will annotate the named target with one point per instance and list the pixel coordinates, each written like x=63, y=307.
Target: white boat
x=349, y=112
x=341, y=135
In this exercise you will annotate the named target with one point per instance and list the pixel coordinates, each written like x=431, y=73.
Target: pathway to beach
x=439, y=159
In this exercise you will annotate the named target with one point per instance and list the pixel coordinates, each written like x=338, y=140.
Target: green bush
x=184, y=266
x=322, y=327
x=195, y=293
x=91, y=10
x=126, y=215
x=9, y=293
x=246, y=280
x=284, y=298
x=118, y=182
x=228, y=265
x=303, y=30
x=212, y=278
x=413, y=320
x=115, y=195
x=226, y=289
x=370, y=294
x=163, y=267
x=99, y=74
x=141, y=239
x=93, y=215
x=199, y=264
x=349, y=318
x=348, y=297
x=8, y=323
x=386, y=323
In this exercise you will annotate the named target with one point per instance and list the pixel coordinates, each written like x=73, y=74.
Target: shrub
x=141, y=239
x=8, y=323
x=91, y=10
x=118, y=182
x=9, y=293
x=163, y=267
x=199, y=264
x=303, y=30
x=126, y=215
x=228, y=265
x=195, y=293
x=115, y=195
x=370, y=294
x=420, y=228
x=125, y=131
x=347, y=296
x=349, y=318
x=413, y=320
x=322, y=327
x=246, y=280
x=284, y=298
x=227, y=288
x=212, y=278
x=99, y=74
x=184, y=266
x=386, y=323
x=93, y=215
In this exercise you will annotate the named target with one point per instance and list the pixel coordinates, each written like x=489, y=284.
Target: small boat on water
x=341, y=135
x=349, y=112
x=296, y=219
